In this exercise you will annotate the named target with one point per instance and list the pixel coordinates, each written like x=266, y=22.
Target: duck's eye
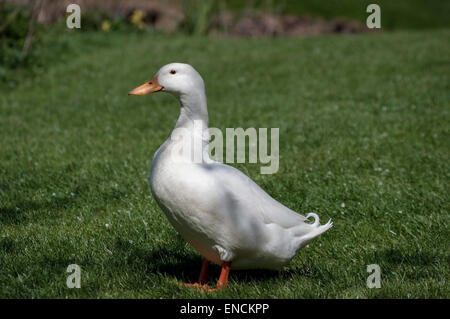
x=173, y=71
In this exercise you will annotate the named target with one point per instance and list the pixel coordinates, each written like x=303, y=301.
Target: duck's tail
x=314, y=230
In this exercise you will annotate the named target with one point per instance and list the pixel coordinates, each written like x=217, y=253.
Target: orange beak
x=146, y=88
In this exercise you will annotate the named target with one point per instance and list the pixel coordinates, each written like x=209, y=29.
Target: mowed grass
x=364, y=140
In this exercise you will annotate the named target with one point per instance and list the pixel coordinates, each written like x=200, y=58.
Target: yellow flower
x=137, y=17
x=106, y=26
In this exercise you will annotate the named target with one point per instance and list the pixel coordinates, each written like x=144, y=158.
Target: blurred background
x=34, y=32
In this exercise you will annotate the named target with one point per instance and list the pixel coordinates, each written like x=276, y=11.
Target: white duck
x=217, y=209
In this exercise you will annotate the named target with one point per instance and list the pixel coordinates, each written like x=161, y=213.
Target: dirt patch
x=263, y=25
x=161, y=15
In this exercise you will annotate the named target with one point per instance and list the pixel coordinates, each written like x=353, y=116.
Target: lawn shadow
x=177, y=263
x=184, y=266
x=187, y=268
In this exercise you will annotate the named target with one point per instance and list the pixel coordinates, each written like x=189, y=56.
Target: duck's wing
x=249, y=198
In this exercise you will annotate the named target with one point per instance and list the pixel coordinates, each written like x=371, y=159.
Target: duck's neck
x=193, y=110
x=192, y=124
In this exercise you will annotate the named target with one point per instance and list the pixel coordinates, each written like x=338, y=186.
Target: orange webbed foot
x=204, y=276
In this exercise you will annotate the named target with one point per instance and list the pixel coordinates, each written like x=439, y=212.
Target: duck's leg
x=204, y=275
x=223, y=279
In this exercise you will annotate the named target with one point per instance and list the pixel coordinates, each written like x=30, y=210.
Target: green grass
x=364, y=122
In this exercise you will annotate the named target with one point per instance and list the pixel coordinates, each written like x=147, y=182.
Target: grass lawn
x=364, y=140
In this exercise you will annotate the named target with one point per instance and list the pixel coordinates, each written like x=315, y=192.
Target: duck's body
x=217, y=209
x=224, y=215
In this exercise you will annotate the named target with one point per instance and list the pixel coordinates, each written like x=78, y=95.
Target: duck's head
x=176, y=78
